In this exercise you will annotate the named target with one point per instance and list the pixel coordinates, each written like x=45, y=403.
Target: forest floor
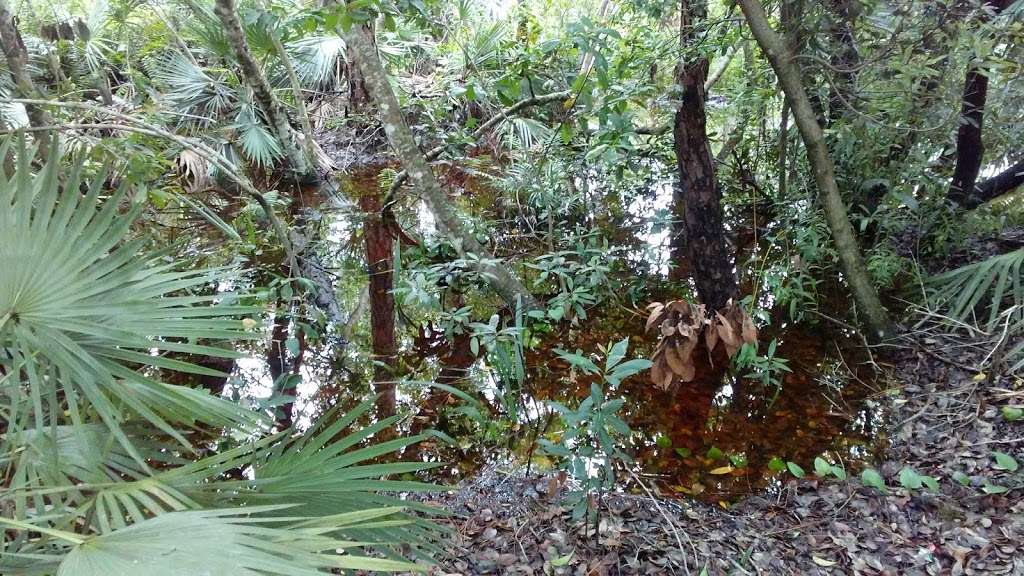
x=944, y=419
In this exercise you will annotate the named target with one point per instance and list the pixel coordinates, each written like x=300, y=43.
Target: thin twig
x=671, y=524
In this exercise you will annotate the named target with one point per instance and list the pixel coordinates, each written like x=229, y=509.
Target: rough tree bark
x=17, y=64
x=504, y=282
x=970, y=149
x=781, y=59
x=698, y=202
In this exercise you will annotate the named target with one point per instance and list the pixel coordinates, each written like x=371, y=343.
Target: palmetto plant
x=989, y=293
x=97, y=455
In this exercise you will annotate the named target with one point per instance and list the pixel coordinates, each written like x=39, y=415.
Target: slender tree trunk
x=17, y=64
x=784, y=150
x=504, y=282
x=257, y=81
x=781, y=58
x=698, y=204
x=970, y=148
x=719, y=71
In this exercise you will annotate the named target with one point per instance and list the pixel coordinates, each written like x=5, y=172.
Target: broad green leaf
x=821, y=467
x=616, y=354
x=872, y=479
x=909, y=479
x=1005, y=462
x=1012, y=413
x=795, y=469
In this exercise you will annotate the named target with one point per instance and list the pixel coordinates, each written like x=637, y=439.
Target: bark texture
x=17, y=63
x=379, y=253
x=698, y=202
x=504, y=282
x=970, y=148
x=781, y=59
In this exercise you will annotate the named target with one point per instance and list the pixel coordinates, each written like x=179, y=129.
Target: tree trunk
x=282, y=368
x=698, y=204
x=17, y=64
x=970, y=149
x=996, y=186
x=504, y=282
x=781, y=59
x=257, y=81
x=379, y=255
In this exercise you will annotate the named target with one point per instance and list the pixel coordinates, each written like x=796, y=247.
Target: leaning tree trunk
x=1002, y=183
x=781, y=59
x=252, y=74
x=501, y=279
x=698, y=201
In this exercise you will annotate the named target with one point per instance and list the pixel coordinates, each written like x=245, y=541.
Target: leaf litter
x=942, y=422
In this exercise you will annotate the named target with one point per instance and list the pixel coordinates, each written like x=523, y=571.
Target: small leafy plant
x=767, y=369
x=589, y=445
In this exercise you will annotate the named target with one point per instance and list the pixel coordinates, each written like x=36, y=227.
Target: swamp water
x=723, y=436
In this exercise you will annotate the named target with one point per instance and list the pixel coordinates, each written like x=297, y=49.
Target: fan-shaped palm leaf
x=199, y=97
x=257, y=142
x=316, y=60
x=81, y=309
x=988, y=287
x=227, y=542
x=316, y=475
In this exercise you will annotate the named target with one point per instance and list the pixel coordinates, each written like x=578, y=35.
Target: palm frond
x=320, y=475
x=981, y=290
x=196, y=95
x=484, y=49
x=258, y=144
x=525, y=133
x=223, y=542
x=83, y=309
x=316, y=60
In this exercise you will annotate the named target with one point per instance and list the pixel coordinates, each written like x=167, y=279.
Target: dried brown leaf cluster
x=193, y=169
x=681, y=325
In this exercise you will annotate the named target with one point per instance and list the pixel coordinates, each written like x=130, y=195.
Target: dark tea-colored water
x=725, y=435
